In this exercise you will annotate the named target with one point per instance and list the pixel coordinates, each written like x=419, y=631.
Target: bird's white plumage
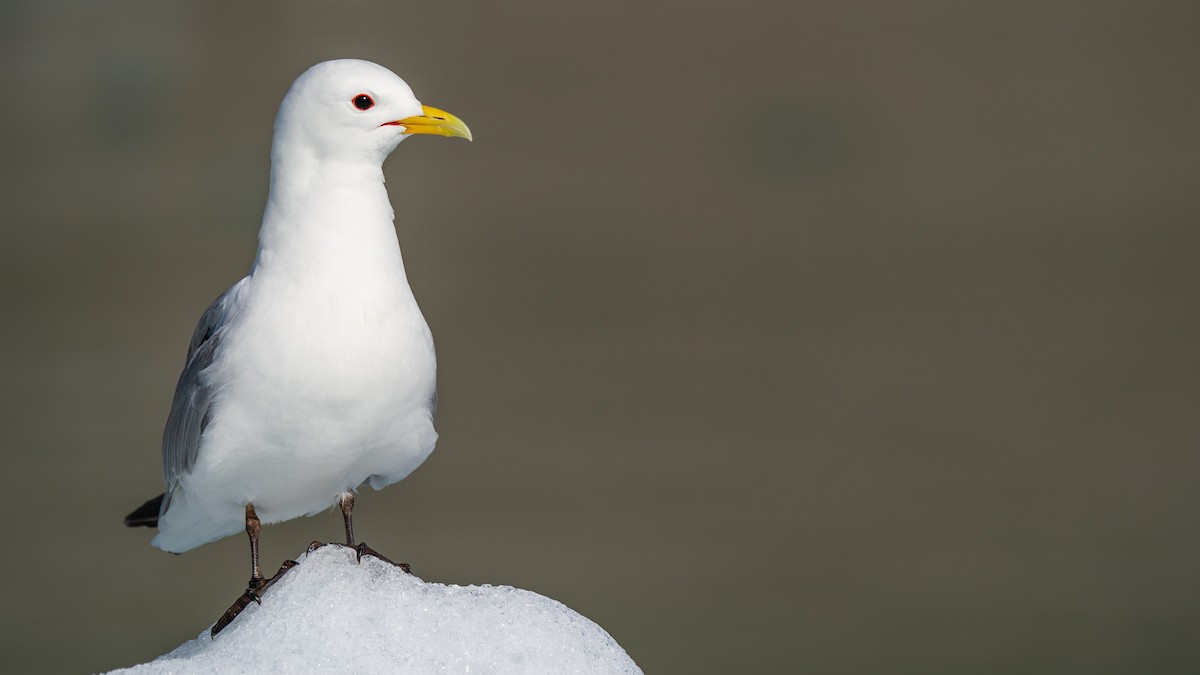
x=321, y=371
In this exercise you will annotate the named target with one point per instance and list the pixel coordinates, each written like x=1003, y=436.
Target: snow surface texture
x=331, y=614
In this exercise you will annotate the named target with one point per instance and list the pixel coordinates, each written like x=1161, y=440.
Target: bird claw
x=254, y=591
x=363, y=549
x=360, y=551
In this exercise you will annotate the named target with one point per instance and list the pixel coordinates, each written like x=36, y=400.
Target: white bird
x=315, y=373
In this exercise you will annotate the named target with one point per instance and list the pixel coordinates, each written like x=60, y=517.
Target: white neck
x=326, y=218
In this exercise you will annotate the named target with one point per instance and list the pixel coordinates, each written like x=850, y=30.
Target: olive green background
x=775, y=337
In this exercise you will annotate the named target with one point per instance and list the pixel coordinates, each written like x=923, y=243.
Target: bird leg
x=258, y=585
x=253, y=527
x=347, y=505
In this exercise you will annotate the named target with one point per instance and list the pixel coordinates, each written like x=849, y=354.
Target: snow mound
x=332, y=614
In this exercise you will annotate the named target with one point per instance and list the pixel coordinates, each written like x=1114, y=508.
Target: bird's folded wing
x=190, y=409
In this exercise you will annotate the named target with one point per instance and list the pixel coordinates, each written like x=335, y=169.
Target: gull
x=315, y=373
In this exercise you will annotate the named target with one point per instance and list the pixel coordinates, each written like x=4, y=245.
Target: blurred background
x=774, y=337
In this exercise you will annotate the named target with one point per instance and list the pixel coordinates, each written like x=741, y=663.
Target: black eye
x=363, y=102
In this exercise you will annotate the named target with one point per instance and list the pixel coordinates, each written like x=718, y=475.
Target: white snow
x=332, y=614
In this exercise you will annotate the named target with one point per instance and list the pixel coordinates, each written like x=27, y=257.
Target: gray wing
x=190, y=409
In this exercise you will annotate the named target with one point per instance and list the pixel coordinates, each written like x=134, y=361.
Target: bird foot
x=254, y=592
x=360, y=551
x=363, y=549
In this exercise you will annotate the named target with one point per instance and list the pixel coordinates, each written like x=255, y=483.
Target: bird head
x=356, y=111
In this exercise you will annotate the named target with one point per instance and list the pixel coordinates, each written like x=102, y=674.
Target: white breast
x=324, y=380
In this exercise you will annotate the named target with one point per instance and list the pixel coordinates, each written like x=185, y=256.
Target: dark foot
x=363, y=549
x=254, y=592
x=360, y=551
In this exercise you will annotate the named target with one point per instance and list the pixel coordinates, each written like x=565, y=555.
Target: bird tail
x=146, y=515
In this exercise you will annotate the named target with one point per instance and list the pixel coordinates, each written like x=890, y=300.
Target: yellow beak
x=434, y=121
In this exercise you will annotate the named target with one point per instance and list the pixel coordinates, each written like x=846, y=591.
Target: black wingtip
x=145, y=515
